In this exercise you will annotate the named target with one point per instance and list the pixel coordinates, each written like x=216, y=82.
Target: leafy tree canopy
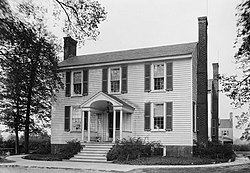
x=238, y=88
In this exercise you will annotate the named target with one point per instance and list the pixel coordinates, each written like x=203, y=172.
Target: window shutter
x=147, y=72
x=169, y=116
x=105, y=80
x=85, y=120
x=68, y=84
x=194, y=117
x=169, y=84
x=147, y=120
x=85, y=82
x=124, y=79
x=67, y=119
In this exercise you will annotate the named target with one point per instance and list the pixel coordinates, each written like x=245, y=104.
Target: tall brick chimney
x=69, y=47
x=215, y=103
x=202, y=108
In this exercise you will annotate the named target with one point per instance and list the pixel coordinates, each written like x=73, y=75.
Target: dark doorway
x=110, y=124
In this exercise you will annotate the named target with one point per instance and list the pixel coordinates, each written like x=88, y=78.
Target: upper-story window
x=77, y=83
x=115, y=80
x=158, y=76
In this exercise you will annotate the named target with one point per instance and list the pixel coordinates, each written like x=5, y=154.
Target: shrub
x=132, y=148
x=71, y=148
x=245, y=147
x=215, y=151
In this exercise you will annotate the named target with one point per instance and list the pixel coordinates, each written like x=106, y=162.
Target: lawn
x=159, y=160
x=3, y=160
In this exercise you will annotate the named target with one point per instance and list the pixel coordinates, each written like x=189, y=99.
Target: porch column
x=88, y=126
x=121, y=113
x=82, y=115
x=114, y=125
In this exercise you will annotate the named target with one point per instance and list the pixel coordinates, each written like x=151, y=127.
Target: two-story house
x=226, y=130
x=157, y=94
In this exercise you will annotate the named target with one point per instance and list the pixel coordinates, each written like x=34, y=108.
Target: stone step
x=91, y=157
x=88, y=160
x=91, y=154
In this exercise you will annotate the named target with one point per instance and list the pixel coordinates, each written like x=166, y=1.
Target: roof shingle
x=127, y=55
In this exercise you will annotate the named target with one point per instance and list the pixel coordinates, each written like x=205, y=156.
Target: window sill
x=158, y=91
x=75, y=131
x=72, y=96
x=118, y=93
x=158, y=130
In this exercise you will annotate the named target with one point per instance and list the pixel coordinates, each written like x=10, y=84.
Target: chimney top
x=69, y=47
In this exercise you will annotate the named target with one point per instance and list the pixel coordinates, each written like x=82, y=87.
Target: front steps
x=93, y=152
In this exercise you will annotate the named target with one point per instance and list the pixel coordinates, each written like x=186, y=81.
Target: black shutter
x=147, y=72
x=68, y=84
x=85, y=120
x=124, y=79
x=169, y=84
x=105, y=80
x=169, y=116
x=85, y=82
x=67, y=118
x=147, y=112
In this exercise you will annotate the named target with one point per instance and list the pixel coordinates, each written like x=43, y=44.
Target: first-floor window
x=77, y=82
x=76, y=119
x=158, y=116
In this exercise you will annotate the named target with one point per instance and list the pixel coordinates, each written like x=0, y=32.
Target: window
x=115, y=80
x=158, y=77
x=77, y=83
x=158, y=116
x=76, y=119
x=158, y=80
x=225, y=133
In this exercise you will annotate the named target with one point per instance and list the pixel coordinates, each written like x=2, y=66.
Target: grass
x=159, y=160
x=45, y=157
x=3, y=160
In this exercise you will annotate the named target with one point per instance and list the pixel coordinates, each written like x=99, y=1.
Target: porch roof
x=101, y=96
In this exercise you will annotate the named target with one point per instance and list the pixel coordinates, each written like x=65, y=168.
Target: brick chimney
x=215, y=103
x=69, y=47
x=202, y=108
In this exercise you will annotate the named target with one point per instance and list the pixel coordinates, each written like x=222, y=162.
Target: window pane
x=115, y=74
x=158, y=116
x=77, y=77
x=158, y=83
x=77, y=88
x=158, y=122
x=115, y=86
x=158, y=111
x=76, y=119
x=159, y=70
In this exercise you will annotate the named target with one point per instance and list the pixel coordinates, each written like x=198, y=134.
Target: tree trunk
x=17, y=151
x=17, y=123
x=27, y=120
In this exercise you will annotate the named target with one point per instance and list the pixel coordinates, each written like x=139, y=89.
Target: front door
x=110, y=124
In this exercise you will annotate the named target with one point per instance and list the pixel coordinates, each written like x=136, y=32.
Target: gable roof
x=225, y=123
x=129, y=55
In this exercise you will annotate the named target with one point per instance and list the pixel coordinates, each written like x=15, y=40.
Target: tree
x=238, y=88
x=35, y=48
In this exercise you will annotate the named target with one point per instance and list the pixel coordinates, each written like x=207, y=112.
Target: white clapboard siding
x=181, y=96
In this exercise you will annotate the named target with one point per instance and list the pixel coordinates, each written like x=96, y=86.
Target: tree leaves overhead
x=238, y=88
x=81, y=18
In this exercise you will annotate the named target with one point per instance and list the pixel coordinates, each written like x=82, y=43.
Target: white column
x=114, y=125
x=82, y=114
x=121, y=112
x=88, y=126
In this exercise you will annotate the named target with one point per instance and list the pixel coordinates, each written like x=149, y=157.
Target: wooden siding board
x=180, y=96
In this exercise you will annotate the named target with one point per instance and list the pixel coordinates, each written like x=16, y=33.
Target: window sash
x=158, y=76
x=76, y=119
x=115, y=80
x=77, y=82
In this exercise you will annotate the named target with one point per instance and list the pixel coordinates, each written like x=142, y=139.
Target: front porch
x=105, y=118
